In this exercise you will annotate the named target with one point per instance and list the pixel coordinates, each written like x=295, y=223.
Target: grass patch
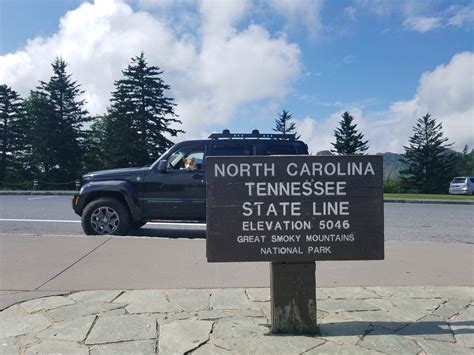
x=430, y=196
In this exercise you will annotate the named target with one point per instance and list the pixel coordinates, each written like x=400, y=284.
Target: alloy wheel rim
x=105, y=220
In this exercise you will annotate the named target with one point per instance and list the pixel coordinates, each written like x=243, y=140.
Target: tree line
x=50, y=136
x=430, y=162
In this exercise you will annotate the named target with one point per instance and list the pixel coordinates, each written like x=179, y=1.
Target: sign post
x=293, y=211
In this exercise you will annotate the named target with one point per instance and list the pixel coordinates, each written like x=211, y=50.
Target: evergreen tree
x=430, y=163
x=41, y=133
x=56, y=113
x=95, y=138
x=140, y=117
x=464, y=163
x=348, y=140
x=12, y=133
x=283, y=124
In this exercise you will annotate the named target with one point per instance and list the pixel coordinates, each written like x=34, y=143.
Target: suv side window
x=232, y=149
x=176, y=160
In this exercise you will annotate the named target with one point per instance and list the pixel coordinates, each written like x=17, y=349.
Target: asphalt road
x=53, y=215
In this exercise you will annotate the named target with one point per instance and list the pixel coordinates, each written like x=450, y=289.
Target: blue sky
x=387, y=62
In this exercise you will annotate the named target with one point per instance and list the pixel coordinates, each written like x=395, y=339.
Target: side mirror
x=163, y=166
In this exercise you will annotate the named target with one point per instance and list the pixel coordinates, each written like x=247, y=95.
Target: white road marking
x=163, y=224
x=37, y=220
x=37, y=198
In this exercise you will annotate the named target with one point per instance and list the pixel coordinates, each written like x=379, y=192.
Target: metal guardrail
x=36, y=184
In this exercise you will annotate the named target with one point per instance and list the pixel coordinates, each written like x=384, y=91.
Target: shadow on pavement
x=168, y=233
x=358, y=328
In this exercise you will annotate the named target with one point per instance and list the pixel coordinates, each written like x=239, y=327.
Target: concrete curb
x=387, y=200
x=430, y=201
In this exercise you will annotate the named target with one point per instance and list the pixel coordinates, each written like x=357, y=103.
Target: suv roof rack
x=255, y=135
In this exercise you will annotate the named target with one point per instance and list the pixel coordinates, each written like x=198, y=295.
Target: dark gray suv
x=172, y=188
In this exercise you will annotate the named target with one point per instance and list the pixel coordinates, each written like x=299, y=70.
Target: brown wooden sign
x=295, y=208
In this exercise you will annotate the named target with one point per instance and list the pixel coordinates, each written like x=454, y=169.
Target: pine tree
x=56, y=113
x=94, y=143
x=140, y=118
x=430, y=163
x=12, y=133
x=283, y=124
x=41, y=135
x=348, y=140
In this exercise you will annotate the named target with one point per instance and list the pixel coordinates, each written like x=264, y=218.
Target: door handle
x=197, y=176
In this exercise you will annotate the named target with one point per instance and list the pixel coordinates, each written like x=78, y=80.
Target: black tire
x=105, y=215
x=137, y=224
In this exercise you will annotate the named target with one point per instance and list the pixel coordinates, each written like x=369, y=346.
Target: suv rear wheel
x=105, y=215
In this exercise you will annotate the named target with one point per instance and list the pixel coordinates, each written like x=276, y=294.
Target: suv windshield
x=458, y=180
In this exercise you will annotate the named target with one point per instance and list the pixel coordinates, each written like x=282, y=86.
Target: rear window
x=458, y=180
x=232, y=149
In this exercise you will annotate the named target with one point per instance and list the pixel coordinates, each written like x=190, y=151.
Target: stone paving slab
x=71, y=330
x=57, y=347
x=10, y=298
x=81, y=309
x=139, y=347
x=462, y=326
x=391, y=344
x=151, y=301
x=410, y=309
x=359, y=320
x=183, y=336
x=190, y=300
x=95, y=296
x=123, y=328
x=44, y=304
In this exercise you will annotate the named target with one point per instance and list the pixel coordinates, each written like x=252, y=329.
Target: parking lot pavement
x=351, y=320
x=64, y=264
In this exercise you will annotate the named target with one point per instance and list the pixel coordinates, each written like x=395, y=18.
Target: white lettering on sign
x=250, y=226
x=330, y=238
x=330, y=169
x=294, y=208
x=319, y=250
x=271, y=209
x=297, y=188
x=294, y=169
x=338, y=208
x=244, y=169
x=285, y=238
x=280, y=250
x=251, y=238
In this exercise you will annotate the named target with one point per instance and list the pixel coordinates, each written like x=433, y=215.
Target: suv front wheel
x=105, y=215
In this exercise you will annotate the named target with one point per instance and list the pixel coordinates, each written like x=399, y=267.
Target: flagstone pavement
x=351, y=320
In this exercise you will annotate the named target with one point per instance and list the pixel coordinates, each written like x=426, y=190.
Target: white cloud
x=422, y=23
x=447, y=93
x=156, y=3
x=459, y=16
x=319, y=134
x=212, y=71
x=421, y=16
x=300, y=12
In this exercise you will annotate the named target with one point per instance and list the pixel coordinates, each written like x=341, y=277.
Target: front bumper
x=76, y=204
